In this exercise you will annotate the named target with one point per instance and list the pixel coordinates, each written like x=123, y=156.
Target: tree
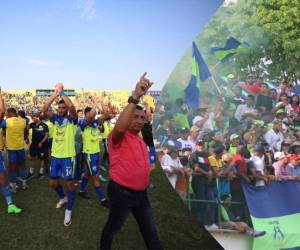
x=280, y=19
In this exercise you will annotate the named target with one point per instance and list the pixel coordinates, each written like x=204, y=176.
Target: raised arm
x=48, y=104
x=91, y=115
x=127, y=114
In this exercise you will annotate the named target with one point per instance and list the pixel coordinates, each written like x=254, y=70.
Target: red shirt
x=253, y=89
x=129, y=162
x=241, y=168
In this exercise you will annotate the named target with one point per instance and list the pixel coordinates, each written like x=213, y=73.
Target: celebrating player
x=91, y=151
x=63, y=149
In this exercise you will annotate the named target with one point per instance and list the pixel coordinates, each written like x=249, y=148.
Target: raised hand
x=142, y=87
x=56, y=92
x=93, y=99
x=59, y=87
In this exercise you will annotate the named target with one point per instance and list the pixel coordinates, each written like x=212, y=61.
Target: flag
x=231, y=48
x=200, y=73
x=275, y=208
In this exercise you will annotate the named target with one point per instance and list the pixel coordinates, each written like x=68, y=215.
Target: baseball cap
x=296, y=144
x=294, y=157
x=279, y=156
x=234, y=136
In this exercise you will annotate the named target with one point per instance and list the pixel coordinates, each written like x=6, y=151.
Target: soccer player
x=11, y=208
x=63, y=149
x=129, y=172
x=39, y=143
x=15, y=130
x=91, y=151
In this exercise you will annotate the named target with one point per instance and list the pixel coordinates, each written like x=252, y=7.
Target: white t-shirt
x=274, y=140
x=187, y=144
x=243, y=109
x=166, y=163
x=208, y=125
x=259, y=167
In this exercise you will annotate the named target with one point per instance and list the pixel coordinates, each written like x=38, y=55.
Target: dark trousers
x=124, y=201
x=205, y=212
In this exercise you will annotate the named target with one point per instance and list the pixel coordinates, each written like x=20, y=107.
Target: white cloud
x=42, y=63
x=87, y=9
x=227, y=2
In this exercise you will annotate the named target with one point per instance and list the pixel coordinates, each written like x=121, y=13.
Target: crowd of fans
x=251, y=134
x=29, y=102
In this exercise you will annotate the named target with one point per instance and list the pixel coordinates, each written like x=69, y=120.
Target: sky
x=96, y=44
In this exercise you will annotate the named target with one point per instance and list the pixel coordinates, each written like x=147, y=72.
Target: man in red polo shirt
x=129, y=173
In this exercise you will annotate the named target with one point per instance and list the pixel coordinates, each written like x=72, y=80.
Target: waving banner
x=275, y=208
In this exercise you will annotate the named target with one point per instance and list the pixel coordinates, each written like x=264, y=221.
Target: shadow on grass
x=40, y=226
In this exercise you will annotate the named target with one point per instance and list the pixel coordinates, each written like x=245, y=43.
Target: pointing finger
x=143, y=76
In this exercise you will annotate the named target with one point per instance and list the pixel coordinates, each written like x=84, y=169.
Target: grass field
x=40, y=226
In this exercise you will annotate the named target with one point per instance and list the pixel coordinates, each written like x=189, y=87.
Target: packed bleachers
x=249, y=134
x=30, y=102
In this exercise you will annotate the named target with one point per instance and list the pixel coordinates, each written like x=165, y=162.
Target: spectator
x=245, y=108
x=264, y=101
x=257, y=168
x=184, y=140
x=230, y=221
x=274, y=137
x=283, y=168
x=172, y=166
x=203, y=185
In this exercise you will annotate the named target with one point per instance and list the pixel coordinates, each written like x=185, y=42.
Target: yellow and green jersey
x=64, y=130
x=90, y=136
x=15, y=132
x=107, y=129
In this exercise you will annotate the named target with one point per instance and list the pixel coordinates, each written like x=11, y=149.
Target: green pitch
x=40, y=225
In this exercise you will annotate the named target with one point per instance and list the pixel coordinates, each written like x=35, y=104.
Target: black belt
x=126, y=188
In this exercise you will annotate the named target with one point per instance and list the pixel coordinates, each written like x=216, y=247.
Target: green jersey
x=90, y=136
x=64, y=130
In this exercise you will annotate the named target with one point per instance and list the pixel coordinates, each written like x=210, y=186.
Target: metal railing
x=190, y=200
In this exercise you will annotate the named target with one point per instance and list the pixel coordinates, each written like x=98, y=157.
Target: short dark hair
x=79, y=110
x=61, y=101
x=21, y=113
x=139, y=107
x=86, y=110
x=12, y=110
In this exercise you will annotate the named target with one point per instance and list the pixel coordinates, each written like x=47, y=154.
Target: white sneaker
x=61, y=202
x=68, y=218
x=211, y=227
